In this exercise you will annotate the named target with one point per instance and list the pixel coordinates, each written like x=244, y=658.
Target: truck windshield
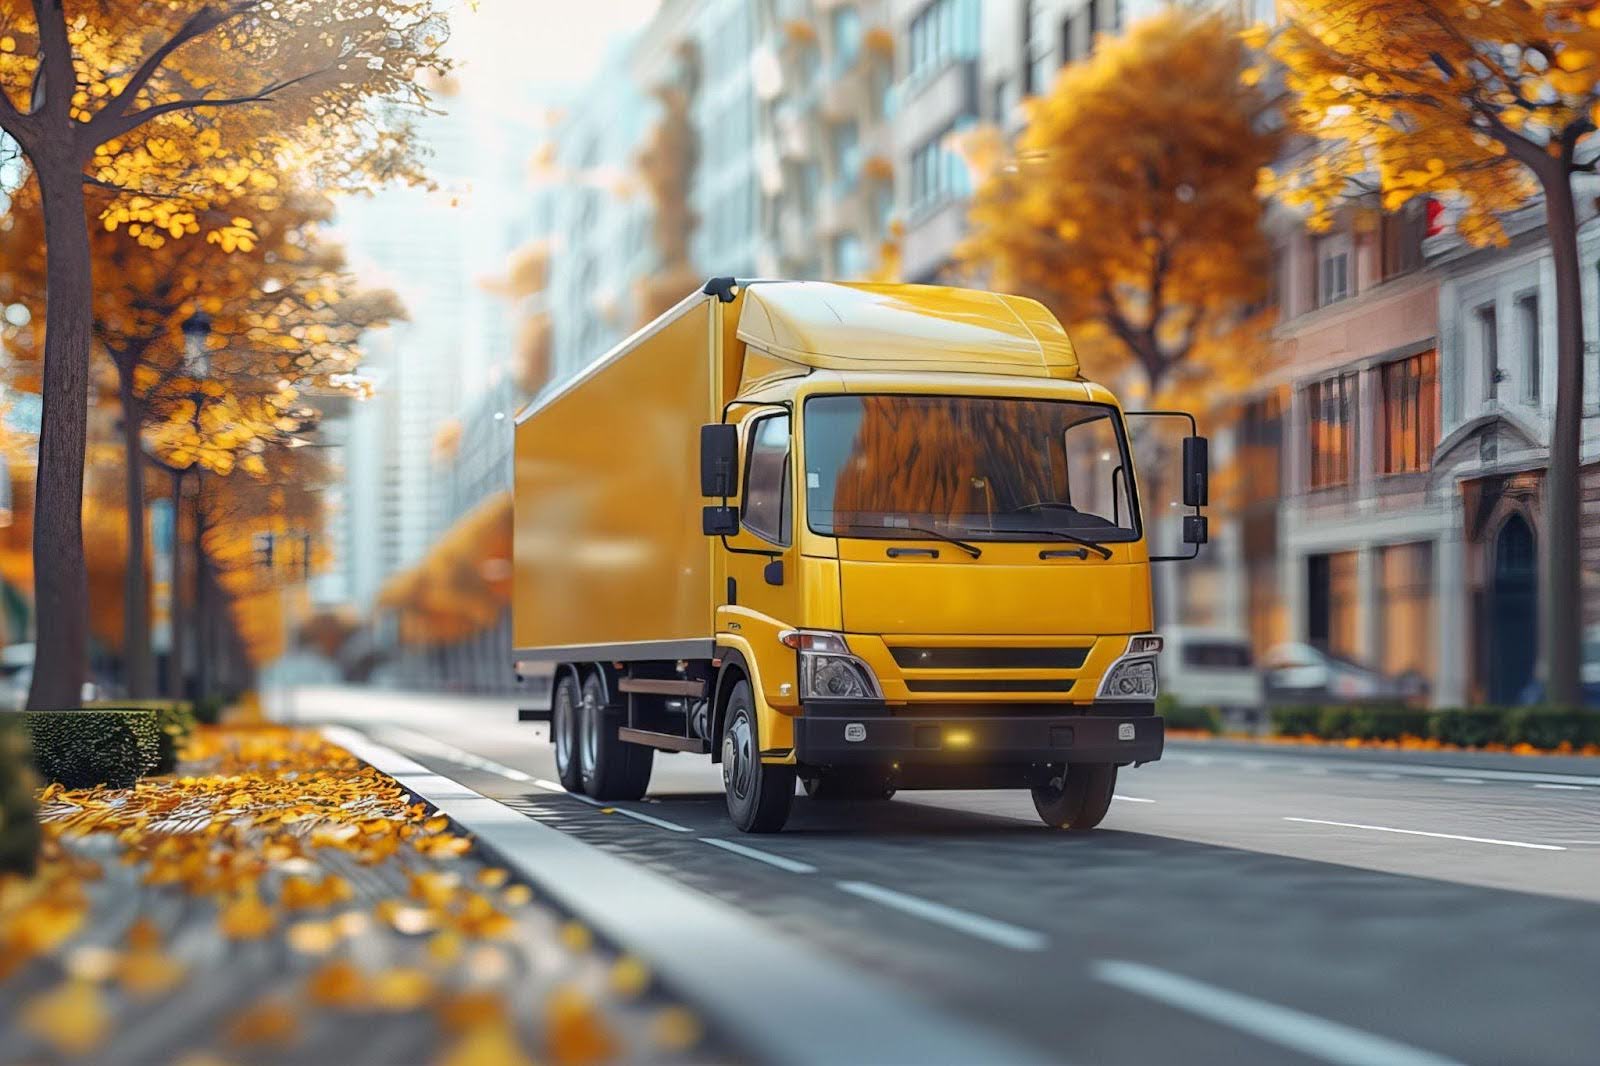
x=973, y=466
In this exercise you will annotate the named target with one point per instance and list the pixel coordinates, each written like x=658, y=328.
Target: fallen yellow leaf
x=71, y=1018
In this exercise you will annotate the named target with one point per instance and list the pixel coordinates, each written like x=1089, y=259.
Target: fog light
x=1130, y=679
x=957, y=738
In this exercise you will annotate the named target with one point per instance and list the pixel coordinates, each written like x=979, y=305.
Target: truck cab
x=929, y=562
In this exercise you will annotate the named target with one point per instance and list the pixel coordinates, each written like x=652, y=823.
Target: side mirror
x=719, y=521
x=719, y=460
x=1196, y=529
x=1196, y=477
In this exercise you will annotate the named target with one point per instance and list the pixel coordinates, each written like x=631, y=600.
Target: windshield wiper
x=971, y=549
x=1104, y=552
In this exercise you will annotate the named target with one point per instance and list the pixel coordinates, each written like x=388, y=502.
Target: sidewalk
x=1585, y=766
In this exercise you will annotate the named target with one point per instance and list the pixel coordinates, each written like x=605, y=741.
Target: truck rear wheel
x=564, y=732
x=612, y=769
x=759, y=794
x=850, y=783
x=1083, y=798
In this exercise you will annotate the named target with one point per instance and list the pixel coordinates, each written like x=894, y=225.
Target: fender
x=777, y=730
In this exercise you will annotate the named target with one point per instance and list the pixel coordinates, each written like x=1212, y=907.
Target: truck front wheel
x=612, y=769
x=564, y=732
x=759, y=794
x=1082, y=799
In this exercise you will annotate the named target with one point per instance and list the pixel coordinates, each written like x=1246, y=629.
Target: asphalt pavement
x=1237, y=905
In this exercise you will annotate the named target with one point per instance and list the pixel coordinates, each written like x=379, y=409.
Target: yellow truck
x=873, y=537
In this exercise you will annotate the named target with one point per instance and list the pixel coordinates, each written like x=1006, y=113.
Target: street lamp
x=196, y=332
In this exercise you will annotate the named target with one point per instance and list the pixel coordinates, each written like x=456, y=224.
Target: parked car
x=16, y=675
x=1204, y=666
x=1304, y=673
x=1588, y=680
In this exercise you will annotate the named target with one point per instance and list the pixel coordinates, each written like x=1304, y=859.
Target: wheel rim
x=738, y=763
x=590, y=727
x=565, y=727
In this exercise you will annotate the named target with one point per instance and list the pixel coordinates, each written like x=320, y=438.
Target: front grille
x=991, y=685
x=912, y=658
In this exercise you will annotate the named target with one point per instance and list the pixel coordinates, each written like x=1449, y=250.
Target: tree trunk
x=1563, y=617
x=175, y=678
x=135, y=585
x=61, y=590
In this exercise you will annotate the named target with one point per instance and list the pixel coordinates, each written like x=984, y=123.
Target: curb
x=749, y=981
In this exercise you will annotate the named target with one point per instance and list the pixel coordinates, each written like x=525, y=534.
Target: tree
x=1128, y=206
x=1487, y=105
x=172, y=109
x=285, y=317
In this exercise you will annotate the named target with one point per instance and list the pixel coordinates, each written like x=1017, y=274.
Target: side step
x=533, y=714
x=669, y=741
x=662, y=686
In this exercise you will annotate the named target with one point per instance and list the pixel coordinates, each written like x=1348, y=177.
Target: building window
x=1105, y=16
x=846, y=154
x=1528, y=337
x=1402, y=233
x=849, y=259
x=766, y=480
x=1330, y=421
x=937, y=174
x=1405, y=612
x=942, y=32
x=1075, y=37
x=846, y=27
x=1332, y=620
x=1410, y=413
x=1333, y=269
x=1261, y=448
x=1489, y=350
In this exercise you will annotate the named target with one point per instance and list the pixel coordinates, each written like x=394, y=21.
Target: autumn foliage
x=1128, y=205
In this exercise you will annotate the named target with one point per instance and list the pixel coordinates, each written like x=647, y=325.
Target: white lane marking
x=1308, y=1034
x=767, y=857
x=1464, y=780
x=1568, y=788
x=549, y=786
x=428, y=745
x=1131, y=799
x=996, y=932
x=1422, y=833
x=648, y=819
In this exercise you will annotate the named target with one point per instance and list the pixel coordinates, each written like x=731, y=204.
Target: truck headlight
x=827, y=669
x=1130, y=679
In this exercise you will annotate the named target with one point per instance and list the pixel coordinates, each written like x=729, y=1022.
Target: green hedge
x=1180, y=716
x=175, y=720
x=1545, y=728
x=94, y=746
x=208, y=709
x=19, y=826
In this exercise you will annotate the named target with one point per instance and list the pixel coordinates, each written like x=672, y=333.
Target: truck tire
x=848, y=784
x=759, y=794
x=564, y=710
x=1082, y=800
x=612, y=769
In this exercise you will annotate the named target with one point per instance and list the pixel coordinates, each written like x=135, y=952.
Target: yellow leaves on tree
x=1128, y=205
x=1465, y=100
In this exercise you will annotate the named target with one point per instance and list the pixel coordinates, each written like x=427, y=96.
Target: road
x=1234, y=906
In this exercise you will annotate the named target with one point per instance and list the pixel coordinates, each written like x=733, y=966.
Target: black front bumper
x=871, y=735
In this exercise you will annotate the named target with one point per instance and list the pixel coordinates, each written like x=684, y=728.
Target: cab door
x=762, y=560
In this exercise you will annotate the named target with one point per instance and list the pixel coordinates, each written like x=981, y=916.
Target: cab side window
x=766, y=480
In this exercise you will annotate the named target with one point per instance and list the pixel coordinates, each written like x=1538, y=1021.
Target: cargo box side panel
x=608, y=546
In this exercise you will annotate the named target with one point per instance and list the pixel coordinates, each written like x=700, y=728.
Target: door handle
x=1064, y=553
x=895, y=553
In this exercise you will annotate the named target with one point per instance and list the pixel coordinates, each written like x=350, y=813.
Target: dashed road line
x=996, y=932
x=426, y=745
x=647, y=819
x=1132, y=799
x=791, y=865
x=1564, y=788
x=1464, y=780
x=1423, y=833
x=1317, y=1038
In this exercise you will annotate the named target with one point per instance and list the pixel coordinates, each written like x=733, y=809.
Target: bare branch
x=117, y=126
x=201, y=22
